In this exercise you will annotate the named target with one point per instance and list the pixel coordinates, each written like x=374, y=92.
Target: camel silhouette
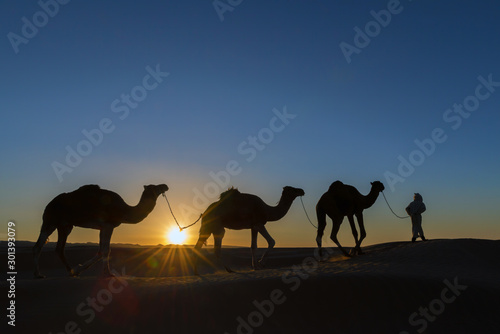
x=237, y=211
x=344, y=200
x=91, y=207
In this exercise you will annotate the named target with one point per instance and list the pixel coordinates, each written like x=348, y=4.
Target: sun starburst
x=176, y=237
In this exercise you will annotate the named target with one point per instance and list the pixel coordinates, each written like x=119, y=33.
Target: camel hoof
x=348, y=254
x=75, y=272
x=258, y=266
x=108, y=275
x=354, y=252
x=195, y=271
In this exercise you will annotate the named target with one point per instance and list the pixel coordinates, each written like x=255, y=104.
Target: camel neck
x=279, y=211
x=370, y=199
x=137, y=213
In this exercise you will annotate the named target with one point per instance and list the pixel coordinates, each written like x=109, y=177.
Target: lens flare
x=176, y=237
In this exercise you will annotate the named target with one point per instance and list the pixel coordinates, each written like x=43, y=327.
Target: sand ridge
x=377, y=292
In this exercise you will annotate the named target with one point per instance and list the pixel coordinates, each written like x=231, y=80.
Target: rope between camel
x=301, y=201
x=391, y=208
x=175, y=219
x=305, y=211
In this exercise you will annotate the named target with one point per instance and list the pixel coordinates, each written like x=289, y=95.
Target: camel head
x=156, y=190
x=292, y=192
x=377, y=186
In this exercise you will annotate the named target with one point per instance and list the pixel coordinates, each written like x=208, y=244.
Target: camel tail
x=43, y=238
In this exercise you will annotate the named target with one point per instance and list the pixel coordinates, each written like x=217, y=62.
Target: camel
x=237, y=211
x=344, y=200
x=91, y=207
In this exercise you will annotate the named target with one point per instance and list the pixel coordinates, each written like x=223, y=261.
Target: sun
x=176, y=237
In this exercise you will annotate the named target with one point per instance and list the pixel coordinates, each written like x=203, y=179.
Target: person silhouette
x=415, y=210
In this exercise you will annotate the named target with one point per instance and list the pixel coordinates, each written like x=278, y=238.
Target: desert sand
x=438, y=286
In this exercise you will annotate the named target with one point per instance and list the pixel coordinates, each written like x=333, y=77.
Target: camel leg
x=217, y=249
x=104, y=244
x=270, y=242
x=199, y=244
x=104, y=237
x=62, y=236
x=37, y=249
x=321, y=217
x=82, y=267
x=335, y=230
x=362, y=232
x=253, y=247
x=354, y=234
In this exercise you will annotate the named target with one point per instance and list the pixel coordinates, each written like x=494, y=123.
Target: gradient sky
x=353, y=116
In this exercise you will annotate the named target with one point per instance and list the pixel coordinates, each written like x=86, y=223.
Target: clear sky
x=299, y=93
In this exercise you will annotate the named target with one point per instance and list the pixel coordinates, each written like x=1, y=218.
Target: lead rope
x=391, y=208
x=175, y=219
x=307, y=214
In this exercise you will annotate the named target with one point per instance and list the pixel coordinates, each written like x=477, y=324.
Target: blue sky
x=227, y=80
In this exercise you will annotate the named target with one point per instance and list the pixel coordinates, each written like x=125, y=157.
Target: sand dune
x=438, y=286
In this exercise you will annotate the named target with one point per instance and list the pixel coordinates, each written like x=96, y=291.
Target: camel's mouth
x=162, y=188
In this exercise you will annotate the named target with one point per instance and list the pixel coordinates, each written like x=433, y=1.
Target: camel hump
x=231, y=192
x=89, y=187
x=335, y=186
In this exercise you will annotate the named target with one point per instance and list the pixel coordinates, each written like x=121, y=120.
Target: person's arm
x=408, y=209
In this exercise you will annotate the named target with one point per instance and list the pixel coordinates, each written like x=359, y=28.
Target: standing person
x=415, y=210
